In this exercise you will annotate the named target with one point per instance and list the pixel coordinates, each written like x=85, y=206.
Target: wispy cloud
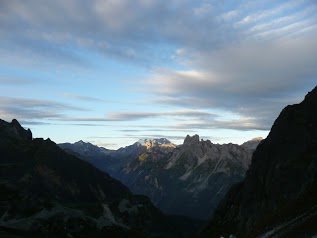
x=34, y=123
x=280, y=21
x=25, y=108
x=251, y=81
x=156, y=129
x=203, y=58
x=253, y=18
x=121, y=29
x=82, y=97
x=133, y=116
x=282, y=31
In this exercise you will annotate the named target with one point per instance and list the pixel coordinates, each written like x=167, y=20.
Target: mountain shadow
x=46, y=192
x=278, y=197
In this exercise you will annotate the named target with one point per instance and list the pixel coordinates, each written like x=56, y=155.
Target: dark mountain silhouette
x=278, y=197
x=46, y=192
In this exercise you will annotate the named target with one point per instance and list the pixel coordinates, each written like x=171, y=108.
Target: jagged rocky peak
x=82, y=143
x=191, y=139
x=150, y=143
x=16, y=130
x=25, y=134
x=163, y=141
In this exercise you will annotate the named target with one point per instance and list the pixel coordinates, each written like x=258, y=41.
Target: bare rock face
x=191, y=139
x=278, y=197
x=187, y=180
x=15, y=130
x=200, y=174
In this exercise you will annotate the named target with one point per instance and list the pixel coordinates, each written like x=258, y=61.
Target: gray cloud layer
x=82, y=97
x=246, y=61
x=124, y=29
x=134, y=116
x=254, y=81
x=32, y=109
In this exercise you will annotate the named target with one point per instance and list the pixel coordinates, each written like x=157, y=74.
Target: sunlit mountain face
x=111, y=72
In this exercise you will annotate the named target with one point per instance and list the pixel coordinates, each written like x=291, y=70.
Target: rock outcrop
x=278, y=197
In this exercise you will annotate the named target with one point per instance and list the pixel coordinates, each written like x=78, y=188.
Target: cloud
x=82, y=97
x=267, y=13
x=183, y=121
x=134, y=116
x=34, y=123
x=251, y=81
x=242, y=125
x=308, y=13
x=30, y=109
x=282, y=31
x=233, y=57
x=105, y=145
x=145, y=129
x=124, y=29
x=229, y=15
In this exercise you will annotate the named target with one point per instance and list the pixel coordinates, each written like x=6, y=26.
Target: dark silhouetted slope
x=278, y=198
x=48, y=192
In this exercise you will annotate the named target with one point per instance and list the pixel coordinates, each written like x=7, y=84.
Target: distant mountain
x=153, y=142
x=186, y=180
x=46, y=192
x=278, y=197
x=112, y=161
x=106, y=160
x=191, y=179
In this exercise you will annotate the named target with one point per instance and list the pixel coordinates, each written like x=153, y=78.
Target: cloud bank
x=246, y=59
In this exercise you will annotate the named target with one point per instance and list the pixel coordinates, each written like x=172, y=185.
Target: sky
x=113, y=71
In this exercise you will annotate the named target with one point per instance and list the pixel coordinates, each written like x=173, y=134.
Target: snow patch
x=186, y=175
x=201, y=186
x=125, y=206
x=108, y=219
x=202, y=159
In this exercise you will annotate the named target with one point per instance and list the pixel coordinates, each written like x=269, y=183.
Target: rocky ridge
x=45, y=191
x=278, y=196
x=185, y=180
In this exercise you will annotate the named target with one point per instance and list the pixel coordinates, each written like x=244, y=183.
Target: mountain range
x=262, y=188
x=187, y=180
